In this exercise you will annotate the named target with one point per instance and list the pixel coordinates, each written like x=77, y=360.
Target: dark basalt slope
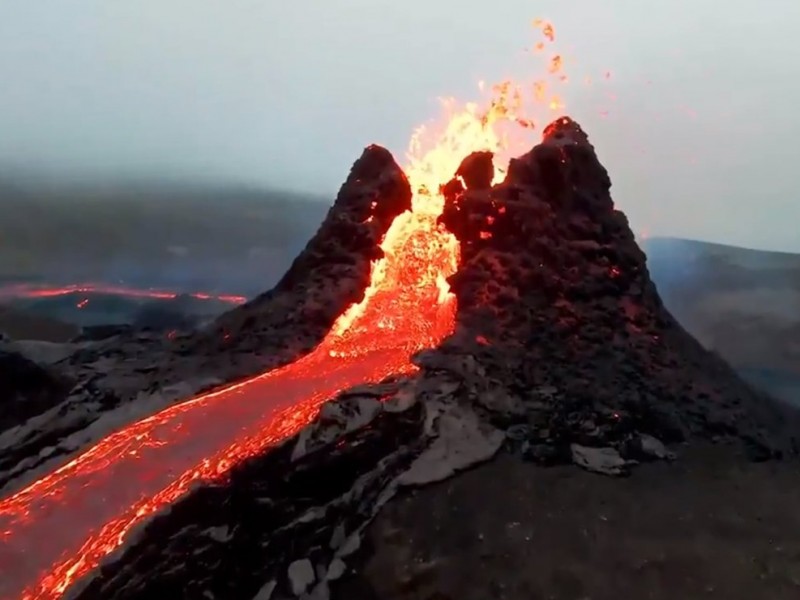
x=554, y=291
x=26, y=389
x=333, y=270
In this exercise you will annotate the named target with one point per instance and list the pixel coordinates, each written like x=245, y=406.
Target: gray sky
x=700, y=140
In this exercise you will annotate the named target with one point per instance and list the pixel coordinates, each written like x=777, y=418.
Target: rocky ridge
x=553, y=291
x=26, y=388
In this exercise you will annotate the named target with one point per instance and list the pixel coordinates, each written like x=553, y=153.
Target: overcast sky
x=702, y=102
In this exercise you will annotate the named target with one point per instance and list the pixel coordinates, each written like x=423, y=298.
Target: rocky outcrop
x=554, y=294
x=330, y=274
x=27, y=388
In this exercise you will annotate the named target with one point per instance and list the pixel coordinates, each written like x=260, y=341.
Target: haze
x=699, y=134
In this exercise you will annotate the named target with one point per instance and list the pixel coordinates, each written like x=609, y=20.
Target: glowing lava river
x=63, y=525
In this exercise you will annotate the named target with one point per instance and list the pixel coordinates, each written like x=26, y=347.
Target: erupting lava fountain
x=62, y=526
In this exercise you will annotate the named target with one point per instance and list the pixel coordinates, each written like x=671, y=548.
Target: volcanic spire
x=555, y=287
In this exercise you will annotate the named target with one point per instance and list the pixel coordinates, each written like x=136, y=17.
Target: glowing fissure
x=33, y=291
x=86, y=508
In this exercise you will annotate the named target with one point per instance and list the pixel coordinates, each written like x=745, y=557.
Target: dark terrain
x=743, y=304
x=152, y=234
x=707, y=526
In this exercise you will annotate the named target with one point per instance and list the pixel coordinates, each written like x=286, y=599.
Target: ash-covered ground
x=563, y=355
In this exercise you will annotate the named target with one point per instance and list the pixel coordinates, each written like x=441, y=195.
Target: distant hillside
x=19, y=324
x=726, y=266
x=236, y=238
x=744, y=304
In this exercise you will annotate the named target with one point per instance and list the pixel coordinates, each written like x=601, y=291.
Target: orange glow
x=408, y=306
x=546, y=28
x=31, y=291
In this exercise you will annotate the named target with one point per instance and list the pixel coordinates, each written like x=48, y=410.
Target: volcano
x=426, y=327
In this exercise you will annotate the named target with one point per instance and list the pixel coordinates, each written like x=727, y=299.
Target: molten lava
x=30, y=291
x=87, y=508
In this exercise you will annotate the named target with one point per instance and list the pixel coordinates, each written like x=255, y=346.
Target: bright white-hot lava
x=87, y=508
x=421, y=255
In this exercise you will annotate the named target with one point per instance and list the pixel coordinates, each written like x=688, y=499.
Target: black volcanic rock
x=332, y=271
x=555, y=289
x=477, y=171
x=26, y=388
x=330, y=274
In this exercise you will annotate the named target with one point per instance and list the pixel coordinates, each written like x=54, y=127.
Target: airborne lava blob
x=87, y=508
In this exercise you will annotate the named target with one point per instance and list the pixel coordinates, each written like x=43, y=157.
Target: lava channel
x=63, y=525
x=32, y=291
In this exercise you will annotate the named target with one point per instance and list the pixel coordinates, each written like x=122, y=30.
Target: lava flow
x=87, y=508
x=32, y=291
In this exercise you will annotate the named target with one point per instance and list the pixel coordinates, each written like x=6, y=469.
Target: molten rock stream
x=86, y=513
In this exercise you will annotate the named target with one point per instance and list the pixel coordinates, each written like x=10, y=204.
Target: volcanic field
x=427, y=326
